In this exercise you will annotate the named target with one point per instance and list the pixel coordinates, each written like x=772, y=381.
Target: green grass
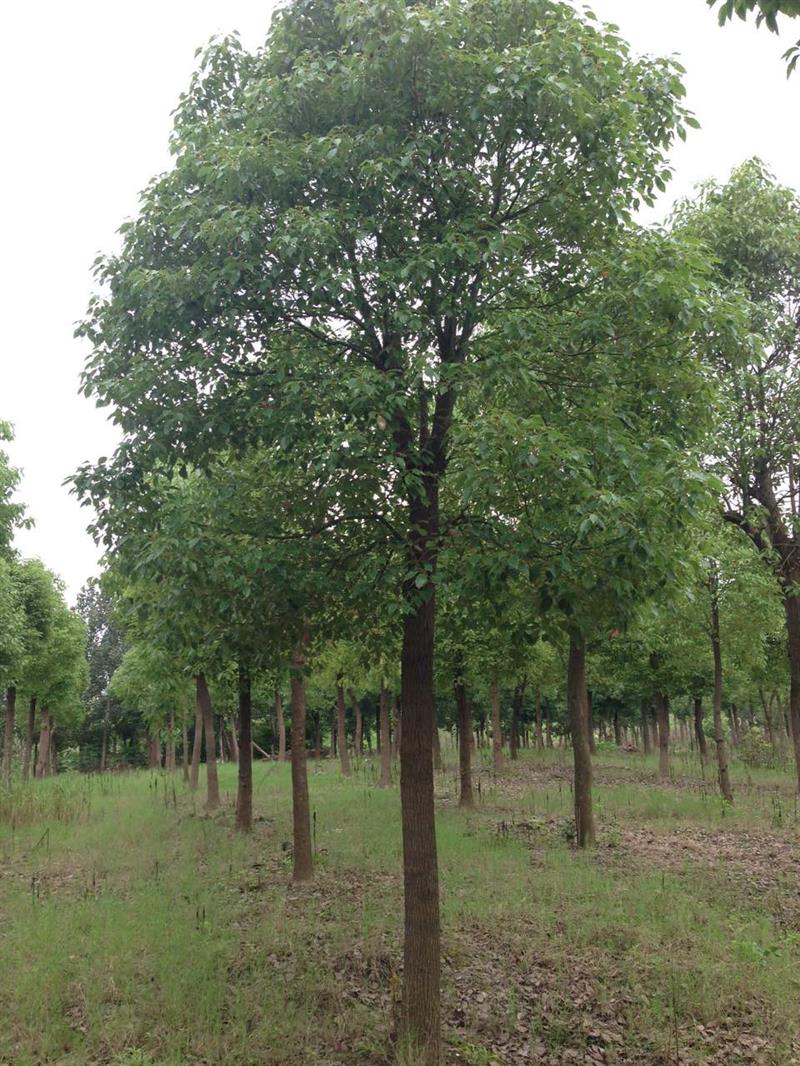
x=136, y=930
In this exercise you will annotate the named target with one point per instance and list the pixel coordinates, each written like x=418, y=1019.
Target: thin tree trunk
x=26, y=754
x=699, y=732
x=645, y=727
x=497, y=729
x=538, y=722
x=185, y=746
x=281, y=726
x=43, y=754
x=617, y=729
x=385, y=741
x=104, y=741
x=422, y=942
x=212, y=778
x=341, y=731
x=662, y=721
x=792, y=609
x=194, y=771
x=548, y=729
x=466, y=798
x=301, y=808
x=233, y=729
x=170, y=753
x=590, y=723
x=578, y=702
x=719, y=738
x=359, y=733
x=516, y=708
x=244, y=797
x=8, y=732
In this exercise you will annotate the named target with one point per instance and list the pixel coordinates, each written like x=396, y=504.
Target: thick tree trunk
x=8, y=732
x=792, y=610
x=662, y=721
x=385, y=741
x=359, y=733
x=497, y=729
x=578, y=704
x=281, y=722
x=538, y=722
x=212, y=779
x=194, y=770
x=341, y=732
x=27, y=750
x=719, y=738
x=244, y=797
x=466, y=798
x=45, y=734
x=301, y=808
x=422, y=943
x=699, y=732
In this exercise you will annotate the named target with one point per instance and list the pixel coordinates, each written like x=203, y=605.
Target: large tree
x=349, y=209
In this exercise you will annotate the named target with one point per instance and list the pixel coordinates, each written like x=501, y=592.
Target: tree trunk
x=590, y=723
x=341, y=732
x=281, y=723
x=645, y=727
x=617, y=729
x=104, y=741
x=359, y=735
x=244, y=797
x=385, y=741
x=466, y=798
x=548, y=729
x=43, y=754
x=8, y=732
x=662, y=721
x=538, y=722
x=497, y=730
x=26, y=754
x=234, y=734
x=699, y=733
x=719, y=738
x=516, y=709
x=422, y=942
x=170, y=754
x=792, y=609
x=212, y=779
x=578, y=702
x=194, y=771
x=185, y=746
x=301, y=808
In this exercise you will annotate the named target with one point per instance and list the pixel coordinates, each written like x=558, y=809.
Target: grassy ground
x=135, y=930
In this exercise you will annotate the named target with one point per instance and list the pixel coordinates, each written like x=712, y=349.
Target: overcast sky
x=87, y=90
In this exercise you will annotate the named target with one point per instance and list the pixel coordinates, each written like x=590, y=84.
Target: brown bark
x=244, y=796
x=212, y=778
x=791, y=606
x=194, y=770
x=29, y=727
x=341, y=732
x=719, y=738
x=466, y=798
x=538, y=722
x=281, y=722
x=301, y=808
x=385, y=743
x=422, y=942
x=359, y=733
x=662, y=722
x=699, y=733
x=578, y=703
x=497, y=730
x=170, y=748
x=8, y=732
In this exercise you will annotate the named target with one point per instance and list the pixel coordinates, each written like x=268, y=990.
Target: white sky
x=87, y=90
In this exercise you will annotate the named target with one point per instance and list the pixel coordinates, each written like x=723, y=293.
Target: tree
x=752, y=228
x=768, y=12
x=104, y=651
x=349, y=208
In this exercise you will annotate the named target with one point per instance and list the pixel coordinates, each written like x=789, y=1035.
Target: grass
x=137, y=931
